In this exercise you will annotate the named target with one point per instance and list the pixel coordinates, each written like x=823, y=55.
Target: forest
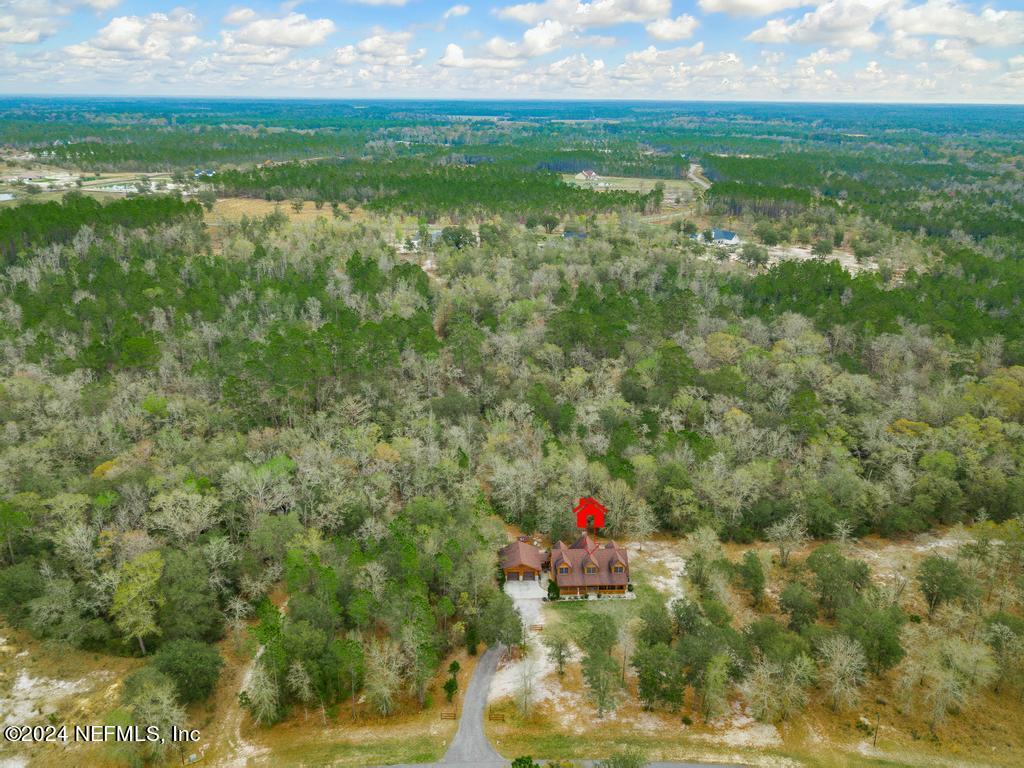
x=304, y=437
x=426, y=191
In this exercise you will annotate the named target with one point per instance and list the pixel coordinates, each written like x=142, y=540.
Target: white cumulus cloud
x=239, y=16
x=26, y=22
x=825, y=56
x=389, y=49
x=750, y=7
x=678, y=28
x=593, y=14
x=295, y=30
x=835, y=22
x=158, y=36
x=455, y=58
x=949, y=18
x=537, y=41
x=961, y=55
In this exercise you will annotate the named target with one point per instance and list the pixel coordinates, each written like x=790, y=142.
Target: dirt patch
x=31, y=698
x=739, y=729
x=547, y=685
x=780, y=253
x=40, y=684
x=892, y=560
x=663, y=563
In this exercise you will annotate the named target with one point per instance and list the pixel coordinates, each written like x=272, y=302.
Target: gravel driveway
x=470, y=746
x=528, y=597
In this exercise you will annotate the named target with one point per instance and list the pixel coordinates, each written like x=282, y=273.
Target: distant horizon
x=842, y=51
x=496, y=100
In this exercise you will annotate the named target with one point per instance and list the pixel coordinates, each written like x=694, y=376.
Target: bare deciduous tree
x=842, y=672
x=383, y=674
x=788, y=534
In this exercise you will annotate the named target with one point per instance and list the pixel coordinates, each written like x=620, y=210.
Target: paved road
x=692, y=176
x=470, y=747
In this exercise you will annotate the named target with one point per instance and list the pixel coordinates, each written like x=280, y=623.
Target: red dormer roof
x=586, y=551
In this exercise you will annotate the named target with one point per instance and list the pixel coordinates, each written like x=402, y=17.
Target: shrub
x=553, y=592
x=798, y=601
x=18, y=585
x=193, y=667
x=137, y=681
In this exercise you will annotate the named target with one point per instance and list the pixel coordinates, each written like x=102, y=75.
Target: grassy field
x=677, y=191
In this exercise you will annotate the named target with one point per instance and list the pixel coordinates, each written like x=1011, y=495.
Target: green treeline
x=736, y=199
x=53, y=222
x=427, y=190
x=969, y=297
x=938, y=198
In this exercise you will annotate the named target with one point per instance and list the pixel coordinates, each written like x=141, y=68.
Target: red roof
x=584, y=552
x=520, y=553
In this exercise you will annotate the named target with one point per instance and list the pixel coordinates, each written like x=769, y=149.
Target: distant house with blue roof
x=718, y=237
x=724, y=237
x=572, y=234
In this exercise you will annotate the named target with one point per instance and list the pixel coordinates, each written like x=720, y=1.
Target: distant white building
x=587, y=175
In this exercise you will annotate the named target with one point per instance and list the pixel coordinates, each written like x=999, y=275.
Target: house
x=589, y=568
x=724, y=237
x=572, y=234
x=521, y=561
x=587, y=175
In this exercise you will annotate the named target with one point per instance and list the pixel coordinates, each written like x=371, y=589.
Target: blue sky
x=832, y=50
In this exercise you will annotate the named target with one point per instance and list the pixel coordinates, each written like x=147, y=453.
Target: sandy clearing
x=33, y=697
x=780, y=253
x=889, y=559
x=665, y=566
x=739, y=729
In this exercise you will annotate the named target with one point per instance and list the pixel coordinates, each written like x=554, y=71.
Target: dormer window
x=563, y=569
x=591, y=569
x=617, y=568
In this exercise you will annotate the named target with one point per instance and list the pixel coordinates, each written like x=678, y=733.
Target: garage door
x=512, y=576
x=529, y=576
